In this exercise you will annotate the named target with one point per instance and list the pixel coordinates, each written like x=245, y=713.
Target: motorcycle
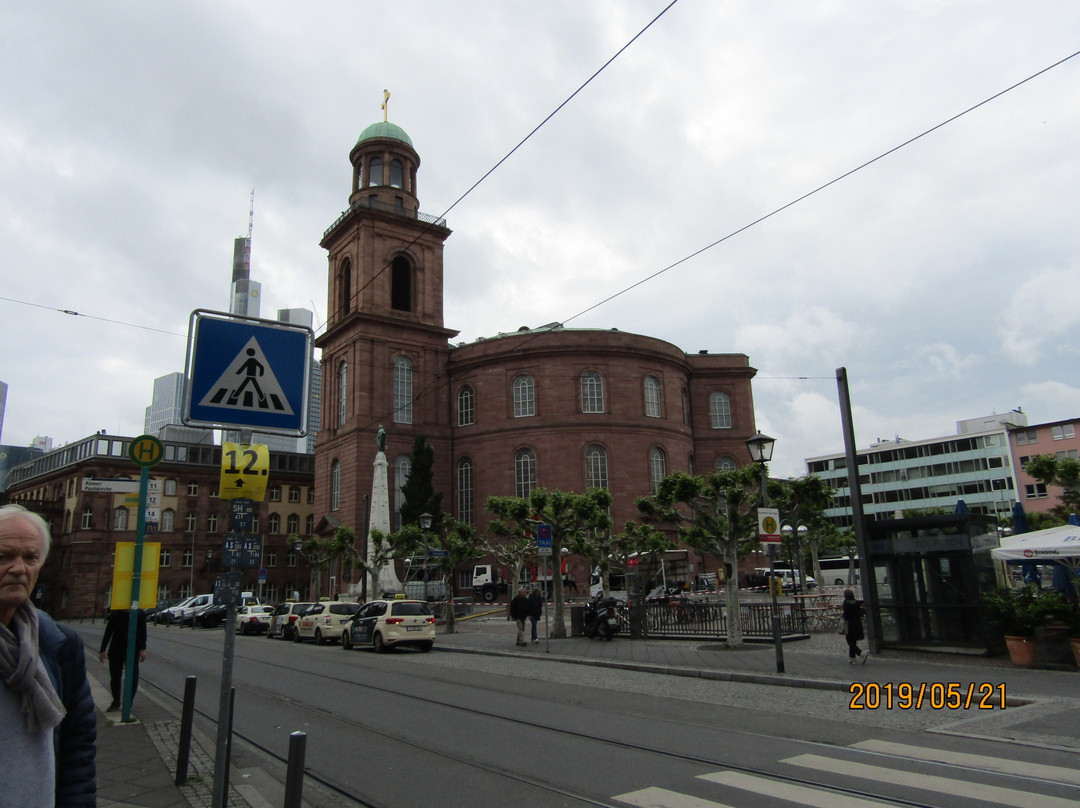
x=600, y=619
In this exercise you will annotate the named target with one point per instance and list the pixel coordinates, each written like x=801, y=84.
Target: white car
x=253, y=619
x=324, y=621
x=386, y=624
x=283, y=623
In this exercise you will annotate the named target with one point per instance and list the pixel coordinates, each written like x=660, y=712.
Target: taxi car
x=254, y=619
x=386, y=624
x=283, y=623
x=324, y=621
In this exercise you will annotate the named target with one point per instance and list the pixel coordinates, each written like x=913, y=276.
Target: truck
x=489, y=581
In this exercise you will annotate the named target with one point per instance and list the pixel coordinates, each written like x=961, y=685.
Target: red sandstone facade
x=550, y=407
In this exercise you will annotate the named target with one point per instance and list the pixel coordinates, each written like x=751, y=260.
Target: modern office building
x=974, y=465
x=246, y=295
x=164, y=415
x=87, y=523
x=1055, y=437
x=551, y=407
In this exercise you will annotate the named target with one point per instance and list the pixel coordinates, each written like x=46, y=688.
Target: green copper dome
x=385, y=129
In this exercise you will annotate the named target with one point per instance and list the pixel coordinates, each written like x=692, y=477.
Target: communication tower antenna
x=251, y=215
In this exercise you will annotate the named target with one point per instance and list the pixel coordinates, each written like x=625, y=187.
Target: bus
x=836, y=571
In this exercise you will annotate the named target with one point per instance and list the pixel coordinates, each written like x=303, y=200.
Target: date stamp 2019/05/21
x=935, y=695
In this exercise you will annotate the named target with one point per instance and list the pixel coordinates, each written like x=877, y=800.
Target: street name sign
x=245, y=372
x=93, y=485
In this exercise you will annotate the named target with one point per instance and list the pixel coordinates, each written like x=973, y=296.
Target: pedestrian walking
x=114, y=644
x=536, y=610
x=48, y=746
x=853, y=623
x=519, y=612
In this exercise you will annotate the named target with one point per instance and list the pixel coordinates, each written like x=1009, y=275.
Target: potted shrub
x=1015, y=614
x=1053, y=614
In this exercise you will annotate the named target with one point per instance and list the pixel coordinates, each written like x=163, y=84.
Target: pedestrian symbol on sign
x=248, y=383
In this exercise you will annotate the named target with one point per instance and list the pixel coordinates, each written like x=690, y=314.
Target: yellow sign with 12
x=244, y=470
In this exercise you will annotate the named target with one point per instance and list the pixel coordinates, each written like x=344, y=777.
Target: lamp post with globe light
x=761, y=450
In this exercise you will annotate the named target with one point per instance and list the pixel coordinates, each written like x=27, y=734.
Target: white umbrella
x=1056, y=544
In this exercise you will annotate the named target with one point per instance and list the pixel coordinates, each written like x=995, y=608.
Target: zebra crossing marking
x=802, y=795
x=1040, y=771
x=654, y=797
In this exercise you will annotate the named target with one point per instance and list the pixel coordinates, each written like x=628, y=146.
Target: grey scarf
x=24, y=673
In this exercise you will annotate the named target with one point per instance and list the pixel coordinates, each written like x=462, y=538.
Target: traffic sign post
x=543, y=539
x=245, y=372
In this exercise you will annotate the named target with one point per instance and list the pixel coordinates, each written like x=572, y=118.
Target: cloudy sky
x=943, y=276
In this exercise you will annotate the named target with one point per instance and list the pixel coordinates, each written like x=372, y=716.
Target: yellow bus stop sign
x=124, y=570
x=244, y=471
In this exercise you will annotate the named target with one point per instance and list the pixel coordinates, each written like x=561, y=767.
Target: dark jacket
x=853, y=613
x=519, y=607
x=536, y=605
x=115, y=639
x=61, y=651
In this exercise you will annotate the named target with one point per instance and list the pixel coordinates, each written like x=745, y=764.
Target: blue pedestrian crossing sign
x=248, y=373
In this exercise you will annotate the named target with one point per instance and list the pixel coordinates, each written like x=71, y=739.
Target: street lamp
x=761, y=449
x=799, y=533
x=425, y=526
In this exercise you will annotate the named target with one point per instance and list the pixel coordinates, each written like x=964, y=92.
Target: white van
x=787, y=577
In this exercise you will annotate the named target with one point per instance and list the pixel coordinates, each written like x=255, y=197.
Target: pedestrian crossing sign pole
x=247, y=373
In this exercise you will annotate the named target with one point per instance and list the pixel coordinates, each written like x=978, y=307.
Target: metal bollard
x=186, y=718
x=294, y=776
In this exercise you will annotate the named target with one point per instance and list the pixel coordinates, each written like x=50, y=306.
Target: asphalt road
x=413, y=729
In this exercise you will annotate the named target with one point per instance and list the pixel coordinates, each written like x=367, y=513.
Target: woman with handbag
x=853, y=631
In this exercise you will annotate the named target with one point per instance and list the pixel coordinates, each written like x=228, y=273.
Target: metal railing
x=709, y=619
x=382, y=207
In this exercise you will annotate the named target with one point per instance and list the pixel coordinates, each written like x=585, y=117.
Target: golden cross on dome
x=385, y=104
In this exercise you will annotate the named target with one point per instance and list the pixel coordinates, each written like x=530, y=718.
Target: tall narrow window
x=596, y=470
x=397, y=173
x=524, y=472
x=592, y=392
x=345, y=287
x=466, y=406
x=335, y=485
x=652, y=397
x=292, y=524
x=657, y=467
x=402, y=391
x=465, y=490
x=120, y=519
x=375, y=171
x=524, y=397
x=401, y=284
x=342, y=392
x=720, y=411
x=685, y=408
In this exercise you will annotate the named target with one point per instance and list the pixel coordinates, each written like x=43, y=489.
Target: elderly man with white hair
x=46, y=710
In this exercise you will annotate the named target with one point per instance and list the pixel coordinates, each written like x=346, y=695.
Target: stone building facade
x=553, y=407
x=87, y=524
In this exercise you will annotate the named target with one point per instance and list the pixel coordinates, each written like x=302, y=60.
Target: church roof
x=385, y=129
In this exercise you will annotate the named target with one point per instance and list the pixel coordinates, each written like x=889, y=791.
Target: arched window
x=168, y=521
x=657, y=467
x=524, y=397
x=402, y=470
x=275, y=524
x=652, y=397
x=309, y=524
x=342, y=392
x=596, y=470
x=292, y=524
x=465, y=490
x=725, y=463
x=524, y=472
x=720, y=410
x=344, y=285
x=401, y=284
x=397, y=173
x=120, y=519
x=466, y=406
x=402, y=390
x=375, y=171
x=592, y=392
x=335, y=485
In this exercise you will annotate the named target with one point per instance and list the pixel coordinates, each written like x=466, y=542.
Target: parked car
x=283, y=622
x=759, y=579
x=162, y=605
x=324, y=621
x=253, y=619
x=210, y=616
x=387, y=624
x=181, y=613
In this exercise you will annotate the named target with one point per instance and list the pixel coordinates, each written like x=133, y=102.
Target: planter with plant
x=1014, y=613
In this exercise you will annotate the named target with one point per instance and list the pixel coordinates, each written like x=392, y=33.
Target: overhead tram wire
x=91, y=316
x=521, y=143
x=430, y=388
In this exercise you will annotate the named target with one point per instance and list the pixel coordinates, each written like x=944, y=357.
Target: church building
x=553, y=407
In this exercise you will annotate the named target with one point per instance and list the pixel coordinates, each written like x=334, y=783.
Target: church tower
x=385, y=349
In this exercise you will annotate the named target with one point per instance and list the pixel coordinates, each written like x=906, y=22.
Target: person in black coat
x=853, y=617
x=536, y=610
x=519, y=612
x=114, y=645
